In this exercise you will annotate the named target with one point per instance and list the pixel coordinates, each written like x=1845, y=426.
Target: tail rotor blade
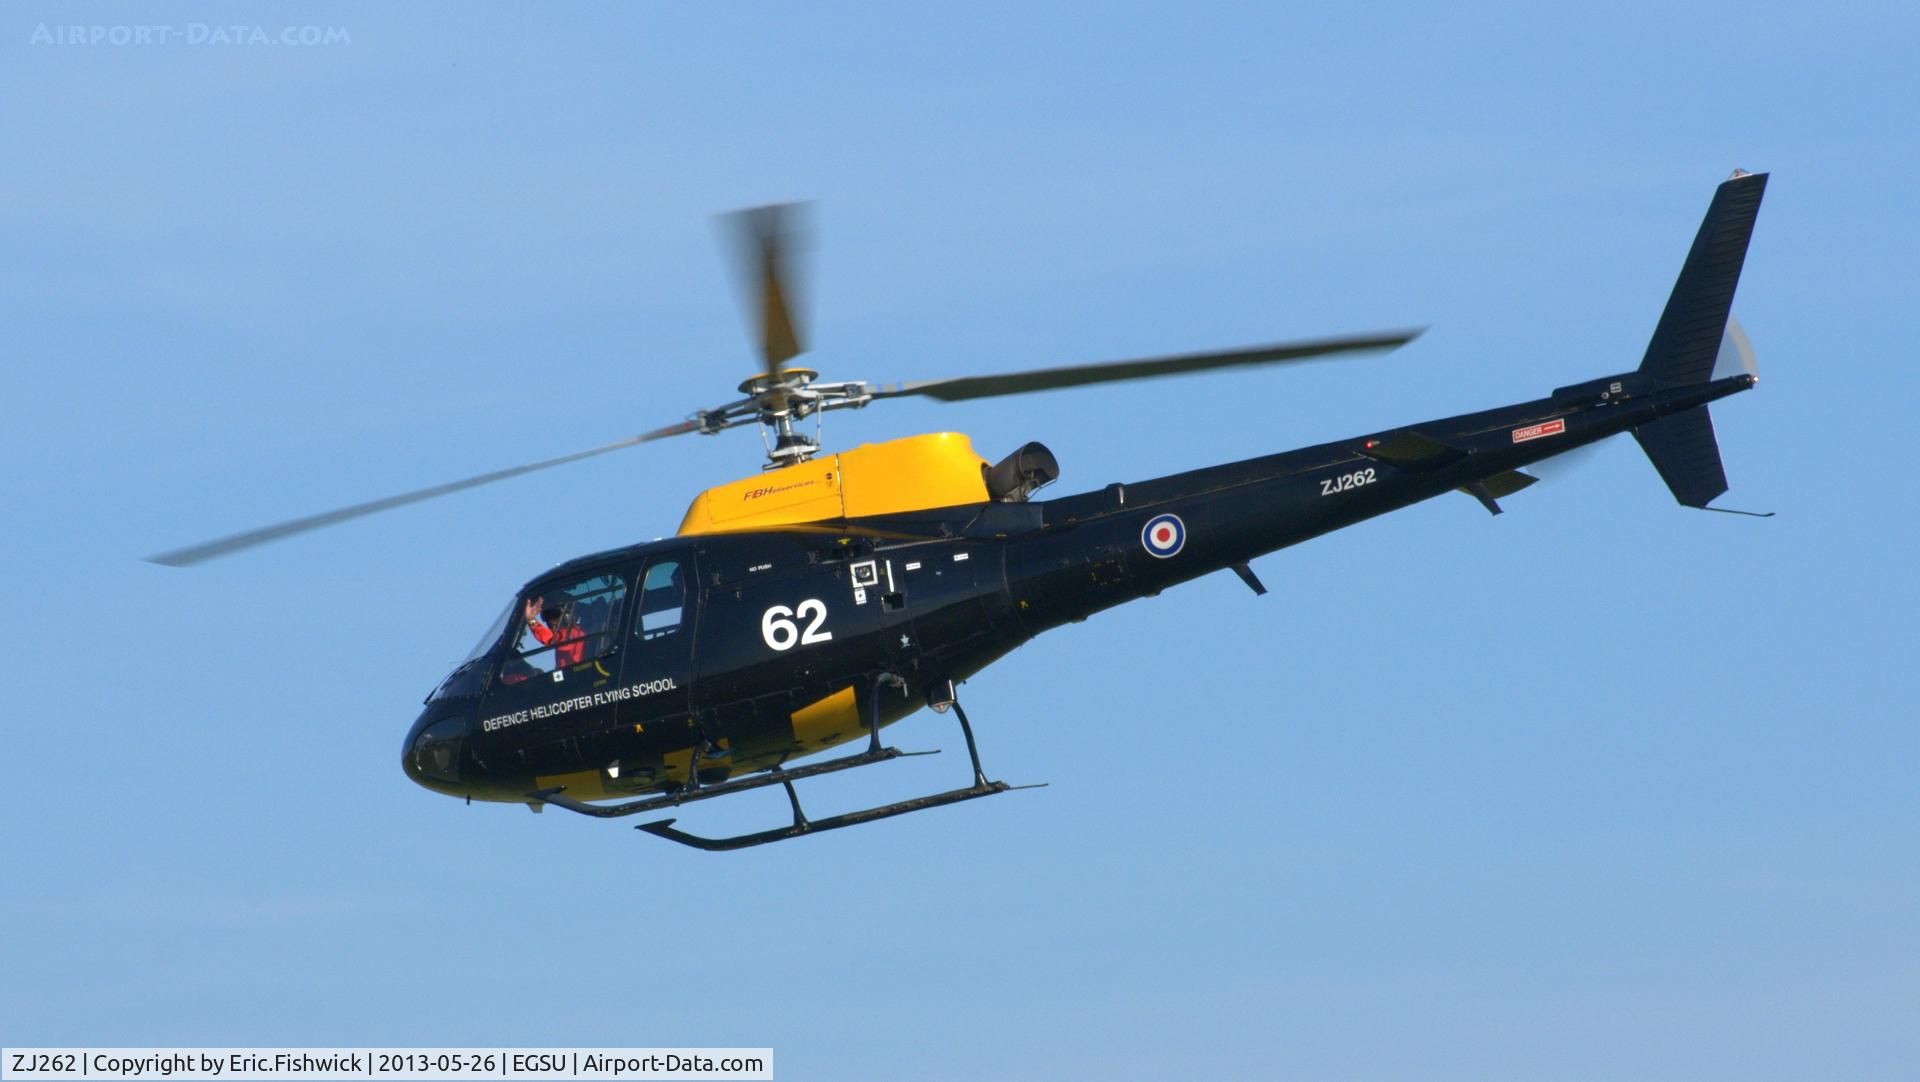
x=1736, y=352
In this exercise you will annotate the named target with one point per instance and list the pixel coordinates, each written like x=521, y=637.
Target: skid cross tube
x=885, y=679
x=802, y=825
x=973, y=750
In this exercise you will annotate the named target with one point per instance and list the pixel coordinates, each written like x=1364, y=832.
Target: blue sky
x=1599, y=788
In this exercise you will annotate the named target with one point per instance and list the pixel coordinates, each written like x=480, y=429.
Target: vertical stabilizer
x=1687, y=339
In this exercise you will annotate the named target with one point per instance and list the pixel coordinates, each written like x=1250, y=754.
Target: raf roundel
x=1164, y=535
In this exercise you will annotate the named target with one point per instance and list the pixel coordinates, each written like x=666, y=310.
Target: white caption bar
x=305, y=1064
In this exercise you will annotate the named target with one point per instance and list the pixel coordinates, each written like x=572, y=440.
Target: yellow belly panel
x=833, y=720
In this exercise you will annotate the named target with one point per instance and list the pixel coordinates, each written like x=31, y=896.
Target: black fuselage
x=775, y=624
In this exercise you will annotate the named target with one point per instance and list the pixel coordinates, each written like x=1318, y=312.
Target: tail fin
x=1687, y=340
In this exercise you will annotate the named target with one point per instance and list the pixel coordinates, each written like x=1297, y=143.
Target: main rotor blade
x=1047, y=379
x=194, y=554
x=768, y=236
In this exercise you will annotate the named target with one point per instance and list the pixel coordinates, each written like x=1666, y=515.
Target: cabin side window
x=565, y=624
x=663, y=599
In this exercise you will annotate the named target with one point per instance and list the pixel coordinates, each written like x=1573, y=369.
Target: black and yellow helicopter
x=826, y=597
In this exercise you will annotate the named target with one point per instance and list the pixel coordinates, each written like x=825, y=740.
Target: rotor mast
x=779, y=402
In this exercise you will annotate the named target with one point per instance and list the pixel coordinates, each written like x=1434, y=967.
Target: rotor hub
x=789, y=379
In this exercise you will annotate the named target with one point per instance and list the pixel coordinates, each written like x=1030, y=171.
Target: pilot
x=563, y=634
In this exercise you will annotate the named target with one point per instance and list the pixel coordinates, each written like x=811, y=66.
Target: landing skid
x=803, y=825
x=875, y=753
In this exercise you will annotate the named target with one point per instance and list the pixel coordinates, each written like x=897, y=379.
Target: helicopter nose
x=434, y=751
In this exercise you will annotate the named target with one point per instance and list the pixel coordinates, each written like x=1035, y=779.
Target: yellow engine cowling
x=912, y=474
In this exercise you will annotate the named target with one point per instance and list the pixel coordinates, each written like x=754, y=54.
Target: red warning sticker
x=1534, y=432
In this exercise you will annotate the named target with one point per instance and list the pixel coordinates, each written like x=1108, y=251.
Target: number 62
x=782, y=633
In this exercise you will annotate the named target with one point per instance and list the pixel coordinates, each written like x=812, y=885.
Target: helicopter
x=811, y=605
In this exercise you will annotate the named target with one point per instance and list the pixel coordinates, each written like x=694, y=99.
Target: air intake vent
x=1021, y=474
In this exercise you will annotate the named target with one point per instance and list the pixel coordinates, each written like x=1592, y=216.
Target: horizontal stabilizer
x=1508, y=483
x=1488, y=490
x=1684, y=450
x=1414, y=451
